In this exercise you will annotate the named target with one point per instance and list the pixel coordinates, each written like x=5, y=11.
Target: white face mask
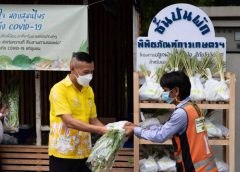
x=84, y=80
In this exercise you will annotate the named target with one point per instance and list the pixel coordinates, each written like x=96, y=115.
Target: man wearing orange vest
x=186, y=126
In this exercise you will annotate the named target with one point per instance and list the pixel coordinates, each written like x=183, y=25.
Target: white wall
x=233, y=65
x=229, y=17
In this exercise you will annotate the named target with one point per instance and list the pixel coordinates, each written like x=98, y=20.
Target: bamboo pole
x=38, y=108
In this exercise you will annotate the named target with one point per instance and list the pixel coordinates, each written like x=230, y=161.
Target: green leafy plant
x=11, y=99
x=144, y=70
x=220, y=65
x=105, y=150
x=189, y=63
x=174, y=62
x=207, y=62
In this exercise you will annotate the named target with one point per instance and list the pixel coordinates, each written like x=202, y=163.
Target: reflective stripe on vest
x=203, y=162
x=211, y=167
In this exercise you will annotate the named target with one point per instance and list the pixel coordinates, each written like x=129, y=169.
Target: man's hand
x=102, y=130
x=129, y=130
x=129, y=124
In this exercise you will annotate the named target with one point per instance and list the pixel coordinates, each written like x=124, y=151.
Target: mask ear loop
x=76, y=76
x=175, y=98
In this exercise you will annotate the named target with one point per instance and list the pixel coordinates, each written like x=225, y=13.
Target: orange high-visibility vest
x=192, y=150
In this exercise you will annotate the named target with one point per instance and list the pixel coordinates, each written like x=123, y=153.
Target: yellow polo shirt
x=65, y=98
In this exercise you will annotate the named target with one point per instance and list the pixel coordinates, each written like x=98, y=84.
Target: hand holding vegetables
x=107, y=147
x=3, y=111
x=129, y=127
x=10, y=109
x=102, y=130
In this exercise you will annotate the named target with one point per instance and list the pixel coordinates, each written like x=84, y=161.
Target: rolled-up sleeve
x=175, y=125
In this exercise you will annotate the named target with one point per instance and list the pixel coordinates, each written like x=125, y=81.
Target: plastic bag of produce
x=222, y=166
x=106, y=148
x=223, y=92
x=9, y=140
x=150, y=90
x=222, y=88
x=116, y=125
x=166, y=164
x=225, y=131
x=197, y=90
x=11, y=98
x=149, y=122
x=212, y=130
x=148, y=165
x=216, y=90
x=210, y=91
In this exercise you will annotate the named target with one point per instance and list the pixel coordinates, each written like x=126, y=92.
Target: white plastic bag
x=166, y=164
x=197, y=90
x=225, y=131
x=148, y=165
x=209, y=89
x=116, y=125
x=150, y=90
x=9, y=140
x=222, y=166
x=149, y=122
x=223, y=91
x=216, y=90
x=212, y=130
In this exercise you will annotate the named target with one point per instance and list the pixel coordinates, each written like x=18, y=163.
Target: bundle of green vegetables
x=11, y=98
x=159, y=73
x=144, y=70
x=174, y=62
x=104, y=151
x=207, y=62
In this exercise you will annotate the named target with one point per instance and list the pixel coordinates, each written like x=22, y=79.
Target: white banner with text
x=41, y=37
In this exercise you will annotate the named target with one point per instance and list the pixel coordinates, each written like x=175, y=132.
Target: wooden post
x=38, y=108
x=136, y=119
x=231, y=122
x=136, y=33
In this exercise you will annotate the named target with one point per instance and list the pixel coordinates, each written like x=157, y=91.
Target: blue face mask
x=166, y=98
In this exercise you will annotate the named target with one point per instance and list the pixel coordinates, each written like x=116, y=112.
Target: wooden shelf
x=171, y=106
x=229, y=119
x=169, y=142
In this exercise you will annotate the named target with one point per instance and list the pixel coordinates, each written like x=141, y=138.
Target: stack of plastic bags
x=162, y=164
x=216, y=130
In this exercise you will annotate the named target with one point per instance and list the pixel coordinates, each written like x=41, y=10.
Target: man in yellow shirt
x=73, y=117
